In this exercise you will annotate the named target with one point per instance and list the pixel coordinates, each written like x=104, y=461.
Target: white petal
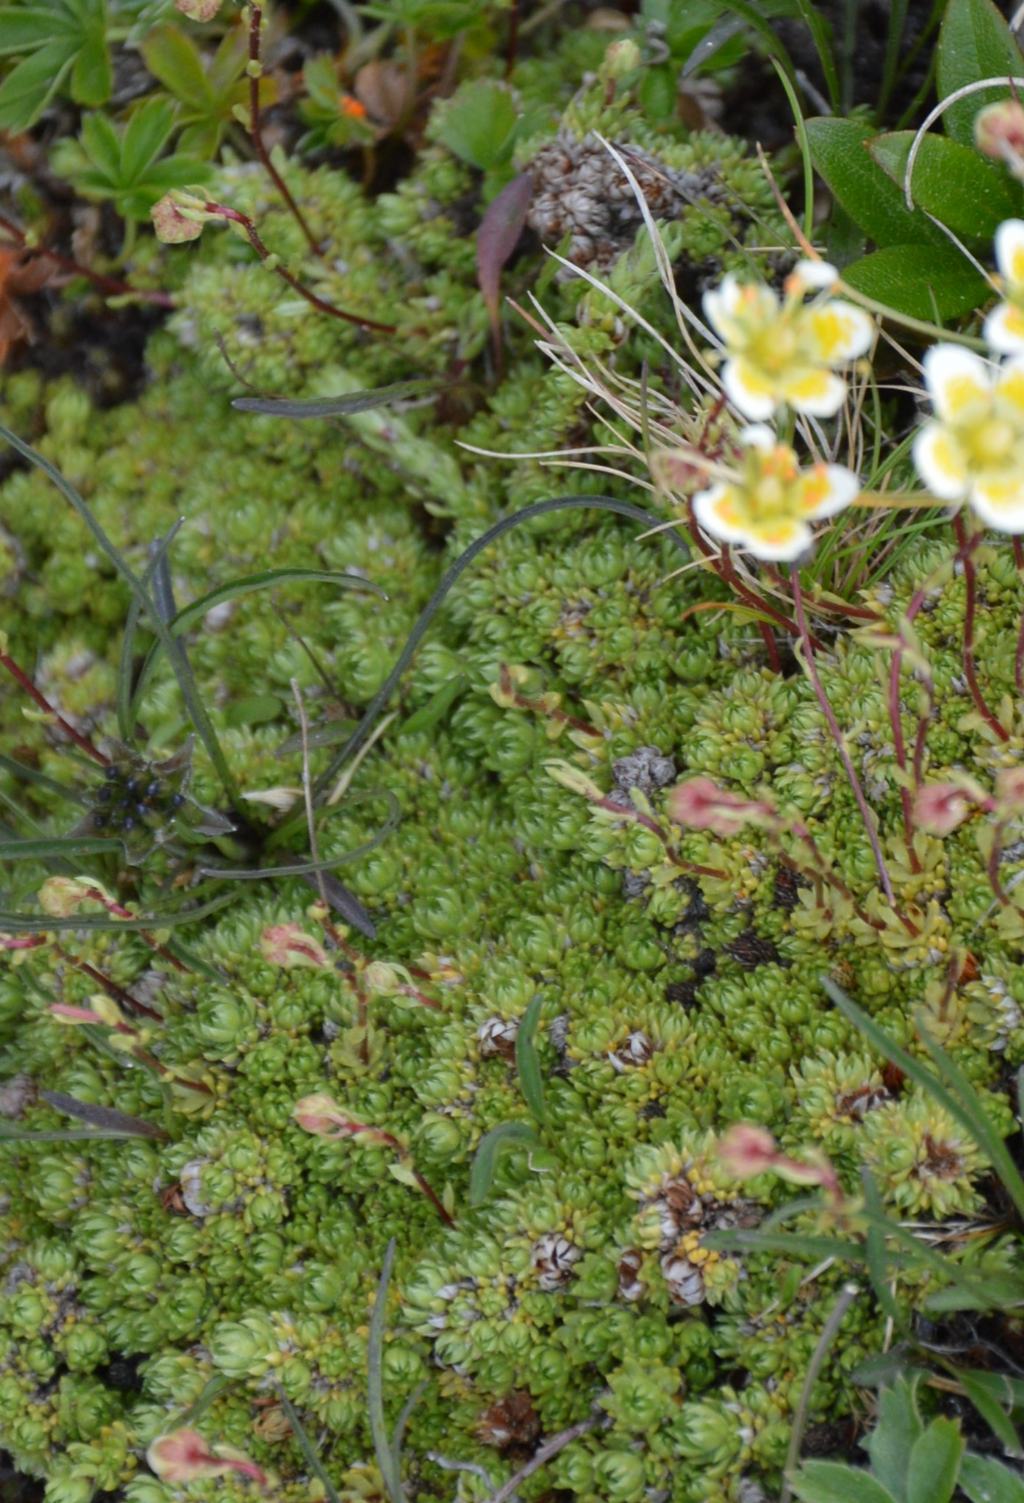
x=1004, y=329
x=956, y=379
x=818, y=392
x=758, y=436
x=815, y=274
x=940, y=463
x=752, y=403
x=1010, y=251
x=722, y=303
x=782, y=550
x=843, y=489
x=704, y=503
x=999, y=504
x=840, y=330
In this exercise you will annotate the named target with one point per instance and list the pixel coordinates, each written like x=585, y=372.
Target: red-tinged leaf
x=497, y=237
x=102, y=1116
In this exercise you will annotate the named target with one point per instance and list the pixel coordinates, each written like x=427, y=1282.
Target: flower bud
x=940, y=807
x=621, y=58
x=198, y=10
x=746, y=1150
x=700, y=804
x=183, y=1456
x=180, y=215
x=61, y=897
x=999, y=131
x=289, y=945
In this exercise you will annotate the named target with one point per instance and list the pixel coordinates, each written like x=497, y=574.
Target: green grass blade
x=527, y=1062
x=40, y=780
x=789, y=1244
x=966, y=1107
x=211, y=1388
x=451, y=576
x=125, y=717
x=233, y=590
x=306, y=1446
x=321, y=407
x=985, y=1135
x=178, y=660
x=489, y=1149
x=58, y=845
x=878, y=1263
x=33, y=923
x=107, y=1118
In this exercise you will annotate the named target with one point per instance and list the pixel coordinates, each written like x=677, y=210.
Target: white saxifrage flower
x=785, y=353
x=1004, y=326
x=973, y=449
x=769, y=503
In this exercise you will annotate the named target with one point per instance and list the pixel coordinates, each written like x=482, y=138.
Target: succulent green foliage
x=555, y=1018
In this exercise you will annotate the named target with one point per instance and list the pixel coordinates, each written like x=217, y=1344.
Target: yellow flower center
x=767, y=491
x=992, y=441
x=773, y=348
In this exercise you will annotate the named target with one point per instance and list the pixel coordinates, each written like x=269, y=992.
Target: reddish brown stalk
x=992, y=866
x=837, y=736
x=82, y=742
x=724, y=568
x=821, y=871
x=111, y=286
x=837, y=607
x=432, y=1196
x=118, y=911
x=115, y=992
x=221, y=211
x=256, y=130
x=690, y=867
x=967, y=546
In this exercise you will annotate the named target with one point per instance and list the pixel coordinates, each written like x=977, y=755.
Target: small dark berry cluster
x=126, y=799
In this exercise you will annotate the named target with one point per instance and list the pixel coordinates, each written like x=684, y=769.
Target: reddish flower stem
x=256, y=130
x=112, y=286
x=967, y=546
x=433, y=1197
x=117, y=993
x=692, y=868
x=221, y=211
x=82, y=742
x=837, y=736
x=726, y=571
x=992, y=866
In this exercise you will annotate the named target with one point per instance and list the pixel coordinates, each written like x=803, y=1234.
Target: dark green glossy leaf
x=955, y=183
x=839, y=150
x=975, y=43
x=922, y=281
